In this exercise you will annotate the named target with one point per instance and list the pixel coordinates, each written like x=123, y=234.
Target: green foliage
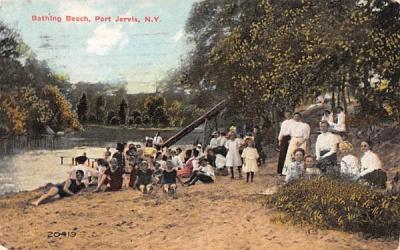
x=268, y=55
x=64, y=117
x=330, y=203
x=175, y=113
x=31, y=95
x=100, y=110
x=154, y=107
x=122, y=111
x=9, y=42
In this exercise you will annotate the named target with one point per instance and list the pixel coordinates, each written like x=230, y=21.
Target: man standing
x=299, y=135
x=158, y=141
x=326, y=147
x=283, y=139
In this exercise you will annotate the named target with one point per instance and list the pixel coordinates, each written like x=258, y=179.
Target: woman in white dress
x=233, y=158
x=372, y=167
x=299, y=136
x=349, y=164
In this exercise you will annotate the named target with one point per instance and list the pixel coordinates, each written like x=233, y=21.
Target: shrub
x=333, y=203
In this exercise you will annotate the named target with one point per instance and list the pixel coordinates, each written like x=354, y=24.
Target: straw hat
x=345, y=147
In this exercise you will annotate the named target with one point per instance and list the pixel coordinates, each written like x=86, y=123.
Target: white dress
x=350, y=166
x=250, y=156
x=233, y=158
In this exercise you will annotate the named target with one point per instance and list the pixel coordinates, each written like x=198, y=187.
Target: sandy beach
x=224, y=215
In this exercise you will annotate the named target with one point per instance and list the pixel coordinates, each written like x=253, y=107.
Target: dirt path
x=215, y=216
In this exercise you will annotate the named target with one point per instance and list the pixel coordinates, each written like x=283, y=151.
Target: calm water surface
x=30, y=169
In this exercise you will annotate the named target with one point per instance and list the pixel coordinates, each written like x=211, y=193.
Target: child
x=158, y=172
x=107, y=154
x=132, y=168
x=311, y=170
x=233, y=158
x=250, y=157
x=296, y=168
x=102, y=166
x=112, y=177
x=144, y=175
x=169, y=177
x=205, y=173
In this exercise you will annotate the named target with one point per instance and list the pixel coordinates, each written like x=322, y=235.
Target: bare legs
x=53, y=193
x=101, y=182
x=145, y=188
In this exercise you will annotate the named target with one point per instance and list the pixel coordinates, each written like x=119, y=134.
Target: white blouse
x=370, y=162
x=341, y=122
x=349, y=165
x=299, y=130
x=285, y=128
x=214, y=142
x=209, y=171
x=222, y=141
x=177, y=161
x=326, y=141
x=329, y=118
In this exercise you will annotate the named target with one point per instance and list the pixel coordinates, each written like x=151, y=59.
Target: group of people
x=148, y=167
x=151, y=166
x=333, y=155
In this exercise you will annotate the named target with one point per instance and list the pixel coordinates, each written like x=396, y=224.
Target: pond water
x=30, y=169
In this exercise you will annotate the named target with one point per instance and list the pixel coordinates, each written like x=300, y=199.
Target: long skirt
x=328, y=163
x=292, y=147
x=282, y=153
x=377, y=178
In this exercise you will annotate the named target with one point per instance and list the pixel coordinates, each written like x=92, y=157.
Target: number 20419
x=61, y=234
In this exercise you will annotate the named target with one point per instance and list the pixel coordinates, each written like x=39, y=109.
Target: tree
x=275, y=54
x=9, y=42
x=154, y=107
x=82, y=108
x=175, y=113
x=100, y=109
x=122, y=111
x=63, y=116
x=110, y=115
x=31, y=95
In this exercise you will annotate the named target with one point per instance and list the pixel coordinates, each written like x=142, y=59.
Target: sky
x=139, y=53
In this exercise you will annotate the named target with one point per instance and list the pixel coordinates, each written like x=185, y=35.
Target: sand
x=224, y=215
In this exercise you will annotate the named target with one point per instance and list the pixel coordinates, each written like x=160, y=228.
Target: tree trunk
x=342, y=93
x=333, y=98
